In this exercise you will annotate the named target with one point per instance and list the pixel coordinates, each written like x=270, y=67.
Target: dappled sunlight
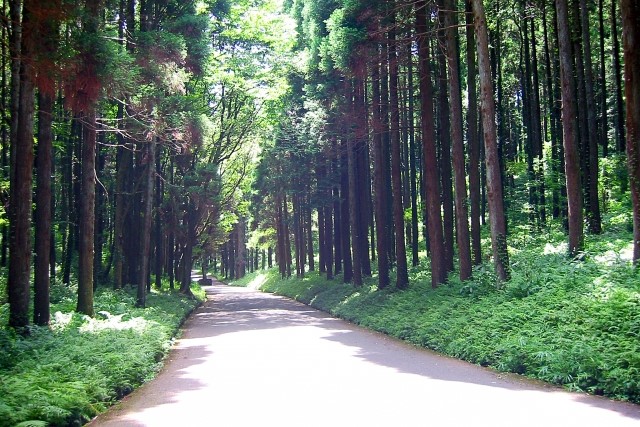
x=551, y=249
x=253, y=359
x=115, y=323
x=258, y=281
x=613, y=257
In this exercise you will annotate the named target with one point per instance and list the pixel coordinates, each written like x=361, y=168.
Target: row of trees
x=412, y=117
x=144, y=114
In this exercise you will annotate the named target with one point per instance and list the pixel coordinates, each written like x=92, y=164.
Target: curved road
x=253, y=359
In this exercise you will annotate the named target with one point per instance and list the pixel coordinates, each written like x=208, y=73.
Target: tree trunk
x=159, y=238
x=44, y=162
x=21, y=170
x=430, y=168
x=344, y=215
x=145, y=231
x=619, y=106
x=569, y=114
x=353, y=210
x=87, y=214
x=473, y=139
x=380, y=200
x=412, y=162
x=402, y=276
x=494, y=179
x=462, y=224
x=630, y=10
x=444, y=139
x=594, y=220
x=604, y=129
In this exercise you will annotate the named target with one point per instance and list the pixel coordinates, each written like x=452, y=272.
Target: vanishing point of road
x=252, y=359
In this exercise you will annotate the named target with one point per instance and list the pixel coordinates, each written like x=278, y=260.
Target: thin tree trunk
x=494, y=179
x=380, y=200
x=145, y=231
x=430, y=169
x=569, y=113
x=462, y=224
x=21, y=171
x=87, y=214
x=402, y=276
x=473, y=139
x=619, y=105
x=412, y=161
x=594, y=220
x=44, y=165
x=353, y=212
x=444, y=138
x=604, y=129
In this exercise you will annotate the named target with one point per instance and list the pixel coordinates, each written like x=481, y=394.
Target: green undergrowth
x=574, y=323
x=67, y=373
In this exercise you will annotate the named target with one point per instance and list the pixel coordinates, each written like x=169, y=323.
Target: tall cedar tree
x=23, y=44
x=47, y=29
x=462, y=224
x=402, y=277
x=494, y=180
x=569, y=127
x=434, y=218
x=630, y=10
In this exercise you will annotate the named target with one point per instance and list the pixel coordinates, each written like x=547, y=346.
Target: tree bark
x=21, y=167
x=462, y=224
x=619, y=105
x=594, y=220
x=473, y=139
x=380, y=200
x=494, y=179
x=145, y=231
x=569, y=114
x=630, y=10
x=402, y=276
x=44, y=163
x=353, y=215
x=430, y=168
x=444, y=139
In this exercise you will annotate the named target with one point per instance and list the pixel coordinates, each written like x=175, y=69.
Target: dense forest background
x=354, y=138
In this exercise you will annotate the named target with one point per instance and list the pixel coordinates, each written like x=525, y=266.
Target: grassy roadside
x=572, y=323
x=66, y=374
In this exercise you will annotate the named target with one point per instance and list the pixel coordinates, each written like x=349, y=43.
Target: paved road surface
x=253, y=359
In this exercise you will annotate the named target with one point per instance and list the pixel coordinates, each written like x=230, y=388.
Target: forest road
x=253, y=359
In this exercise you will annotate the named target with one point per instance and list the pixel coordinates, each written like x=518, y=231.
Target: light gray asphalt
x=253, y=359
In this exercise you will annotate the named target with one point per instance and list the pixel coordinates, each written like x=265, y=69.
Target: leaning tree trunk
x=494, y=179
x=631, y=39
x=570, y=136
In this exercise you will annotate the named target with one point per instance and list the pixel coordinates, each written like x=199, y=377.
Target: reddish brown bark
x=630, y=10
x=402, y=277
x=462, y=224
x=570, y=140
x=494, y=179
x=432, y=202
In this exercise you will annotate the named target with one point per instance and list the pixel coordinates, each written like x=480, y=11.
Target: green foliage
x=571, y=323
x=69, y=372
